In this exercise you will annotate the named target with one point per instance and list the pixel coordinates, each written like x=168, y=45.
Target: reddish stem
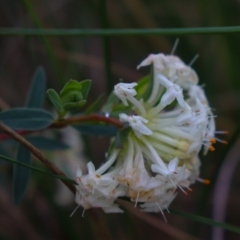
x=71, y=120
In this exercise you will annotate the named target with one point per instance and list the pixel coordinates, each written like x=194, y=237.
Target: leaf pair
x=71, y=98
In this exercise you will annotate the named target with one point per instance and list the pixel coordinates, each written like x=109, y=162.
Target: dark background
x=44, y=212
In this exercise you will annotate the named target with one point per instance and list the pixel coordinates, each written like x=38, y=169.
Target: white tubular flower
x=137, y=123
x=171, y=168
x=125, y=91
x=173, y=68
x=167, y=127
x=95, y=190
x=173, y=92
x=159, y=204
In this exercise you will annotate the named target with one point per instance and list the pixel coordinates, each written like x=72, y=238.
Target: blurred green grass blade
x=206, y=221
x=46, y=43
x=106, y=45
x=36, y=94
x=119, y=32
x=36, y=169
x=21, y=175
x=94, y=106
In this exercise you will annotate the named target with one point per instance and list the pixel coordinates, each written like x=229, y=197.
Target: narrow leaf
x=21, y=175
x=37, y=90
x=36, y=169
x=26, y=118
x=86, y=85
x=47, y=143
x=92, y=108
x=89, y=129
x=56, y=101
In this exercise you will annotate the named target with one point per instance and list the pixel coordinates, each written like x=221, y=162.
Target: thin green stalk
x=119, y=32
x=206, y=221
x=37, y=169
x=45, y=41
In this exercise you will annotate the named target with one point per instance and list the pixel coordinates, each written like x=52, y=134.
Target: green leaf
x=86, y=85
x=74, y=106
x=21, y=175
x=122, y=136
x=37, y=90
x=71, y=92
x=93, y=107
x=47, y=143
x=36, y=169
x=90, y=129
x=26, y=118
x=56, y=101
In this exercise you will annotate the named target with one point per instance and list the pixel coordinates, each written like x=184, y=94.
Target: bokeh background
x=45, y=209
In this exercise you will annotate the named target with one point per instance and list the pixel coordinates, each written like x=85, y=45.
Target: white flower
x=137, y=123
x=171, y=168
x=173, y=91
x=159, y=204
x=160, y=154
x=172, y=68
x=125, y=91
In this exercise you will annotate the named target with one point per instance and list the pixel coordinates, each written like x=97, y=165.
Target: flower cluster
x=168, y=127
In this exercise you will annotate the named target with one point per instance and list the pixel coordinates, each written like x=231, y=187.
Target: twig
x=36, y=153
x=5, y=136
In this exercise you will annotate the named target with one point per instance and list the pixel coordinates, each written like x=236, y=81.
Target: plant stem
x=90, y=118
x=71, y=120
x=38, y=154
x=119, y=32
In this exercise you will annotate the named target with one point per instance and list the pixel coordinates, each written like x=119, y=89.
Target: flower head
x=168, y=127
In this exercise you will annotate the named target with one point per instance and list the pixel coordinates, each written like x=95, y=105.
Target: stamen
x=74, y=210
x=83, y=212
x=204, y=181
x=174, y=46
x=221, y=132
x=211, y=148
x=193, y=60
x=165, y=219
x=182, y=190
x=212, y=140
x=137, y=199
x=221, y=141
